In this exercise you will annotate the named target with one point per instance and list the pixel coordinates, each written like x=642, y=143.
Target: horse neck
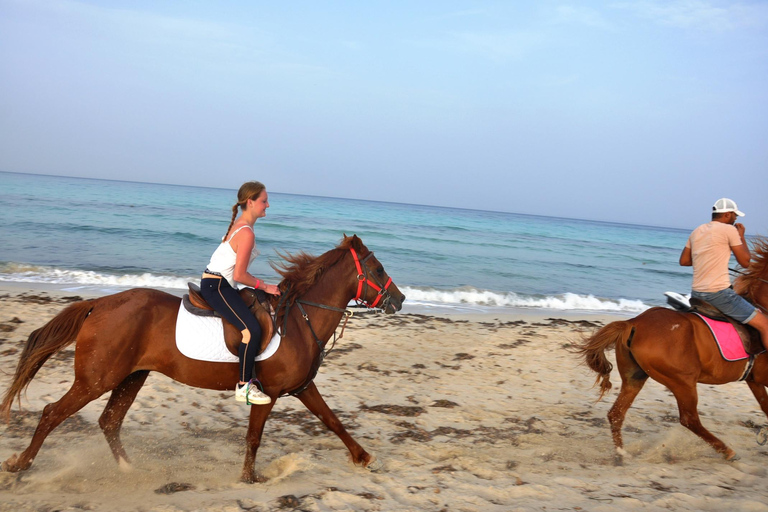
x=754, y=288
x=328, y=293
x=760, y=296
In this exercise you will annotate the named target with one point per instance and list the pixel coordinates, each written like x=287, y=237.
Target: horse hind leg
x=633, y=378
x=53, y=414
x=313, y=401
x=111, y=419
x=630, y=387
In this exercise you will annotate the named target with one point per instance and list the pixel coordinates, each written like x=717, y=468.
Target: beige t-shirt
x=710, y=246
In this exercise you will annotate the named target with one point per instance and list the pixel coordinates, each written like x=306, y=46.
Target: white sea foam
x=463, y=298
x=485, y=298
x=51, y=275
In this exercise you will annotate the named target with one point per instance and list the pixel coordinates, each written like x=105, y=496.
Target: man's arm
x=686, y=260
x=741, y=251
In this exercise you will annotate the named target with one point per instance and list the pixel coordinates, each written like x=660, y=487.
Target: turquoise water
x=107, y=235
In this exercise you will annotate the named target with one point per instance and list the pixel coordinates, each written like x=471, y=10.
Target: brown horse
x=677, y=350
x=120, y=338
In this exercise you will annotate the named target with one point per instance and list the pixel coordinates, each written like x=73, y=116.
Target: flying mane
x=301, y=271
x=748, y=282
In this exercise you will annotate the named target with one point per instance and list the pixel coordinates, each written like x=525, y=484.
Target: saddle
x=258, y=304
x=750, y=337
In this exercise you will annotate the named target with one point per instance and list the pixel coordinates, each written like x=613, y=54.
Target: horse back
x=126, y=322
x=676, y=343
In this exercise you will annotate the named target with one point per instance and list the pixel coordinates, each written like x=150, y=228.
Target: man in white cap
x=708, y=250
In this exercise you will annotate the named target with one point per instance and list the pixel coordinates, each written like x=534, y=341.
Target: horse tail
x=593, y=348
x=42, y=344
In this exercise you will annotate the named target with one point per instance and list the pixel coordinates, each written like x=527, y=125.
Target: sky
x=640, y=112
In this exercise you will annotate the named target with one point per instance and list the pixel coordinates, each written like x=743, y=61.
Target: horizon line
x=354, y=199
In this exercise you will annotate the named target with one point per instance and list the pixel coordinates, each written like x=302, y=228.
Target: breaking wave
x=422, y=298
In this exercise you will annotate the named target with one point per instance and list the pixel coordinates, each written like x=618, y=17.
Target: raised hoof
x=732, y=456
x=762, y=436
x=374, y=464
x=11, y=465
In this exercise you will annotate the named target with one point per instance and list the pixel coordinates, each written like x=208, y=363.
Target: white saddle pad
x=202, y=338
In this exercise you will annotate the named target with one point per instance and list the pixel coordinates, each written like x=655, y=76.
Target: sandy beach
x=466, y=413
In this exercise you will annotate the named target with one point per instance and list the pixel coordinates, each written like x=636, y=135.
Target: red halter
x=362, y=277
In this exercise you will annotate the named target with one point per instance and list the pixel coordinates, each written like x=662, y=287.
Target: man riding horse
x=708, y=250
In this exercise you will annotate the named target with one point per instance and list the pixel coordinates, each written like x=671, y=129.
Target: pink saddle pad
x=727, y=339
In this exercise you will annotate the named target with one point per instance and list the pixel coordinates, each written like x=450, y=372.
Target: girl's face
x=259, y=205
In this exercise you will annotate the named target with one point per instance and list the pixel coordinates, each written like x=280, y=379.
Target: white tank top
x=223, y=258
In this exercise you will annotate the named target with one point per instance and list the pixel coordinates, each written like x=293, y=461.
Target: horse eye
x=380, y=271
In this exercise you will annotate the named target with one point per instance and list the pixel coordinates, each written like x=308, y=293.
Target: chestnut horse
x=677, y=350
x=120, y=338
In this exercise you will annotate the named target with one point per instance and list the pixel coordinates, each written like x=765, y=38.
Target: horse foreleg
x=258, y=417
x=687, y=402
x=312, y=399
x=629, y=389
x=760, y=394
x=111, y=419
x=762, y=398
x=53, y=414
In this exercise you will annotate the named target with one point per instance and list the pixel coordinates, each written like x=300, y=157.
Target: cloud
x=702, y=15
x=578, y=15
x=140, y=27
x=466, y=13
x=499, y=46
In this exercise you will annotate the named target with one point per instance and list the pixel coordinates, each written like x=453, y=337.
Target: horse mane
x=301, y=271
x=754, y=276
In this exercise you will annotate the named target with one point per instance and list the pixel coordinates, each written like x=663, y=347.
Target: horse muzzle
x=393, y=303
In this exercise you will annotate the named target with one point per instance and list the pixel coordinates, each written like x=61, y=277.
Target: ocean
x=105, y=236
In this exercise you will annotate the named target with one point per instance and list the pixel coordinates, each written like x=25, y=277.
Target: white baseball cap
x=726, y=205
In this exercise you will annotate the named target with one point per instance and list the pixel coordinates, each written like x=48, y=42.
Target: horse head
x=374, y=287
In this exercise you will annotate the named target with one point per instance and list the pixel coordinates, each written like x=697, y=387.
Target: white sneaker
x=251, y=394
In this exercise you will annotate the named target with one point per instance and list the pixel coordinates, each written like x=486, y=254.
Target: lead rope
x=323, y=352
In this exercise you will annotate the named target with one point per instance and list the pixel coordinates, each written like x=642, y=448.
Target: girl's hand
x=271, y=289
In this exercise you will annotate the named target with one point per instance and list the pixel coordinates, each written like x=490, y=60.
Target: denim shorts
x=730, y=303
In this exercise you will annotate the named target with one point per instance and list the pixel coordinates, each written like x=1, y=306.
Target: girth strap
x=748, y=369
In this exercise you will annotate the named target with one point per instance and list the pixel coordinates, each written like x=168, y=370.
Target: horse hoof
x=762, y=436
x=732, y=456
x=254, y=478
x=618, y=457
x=10, y=465
x=124, y=465
x=374, y=464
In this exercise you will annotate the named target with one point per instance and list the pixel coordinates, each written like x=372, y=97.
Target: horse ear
x=357, y=243
x=354, y=242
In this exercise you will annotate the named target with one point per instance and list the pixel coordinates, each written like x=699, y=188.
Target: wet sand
x=467, y=413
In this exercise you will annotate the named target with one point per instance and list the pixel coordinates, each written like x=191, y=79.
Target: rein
x=362, y=279
x=736, y=271
x=741, y=272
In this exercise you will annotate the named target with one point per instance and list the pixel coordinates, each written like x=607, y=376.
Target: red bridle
x=362, y=278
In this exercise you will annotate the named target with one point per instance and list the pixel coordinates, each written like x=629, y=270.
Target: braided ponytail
x=248, y=190
x=234, y=216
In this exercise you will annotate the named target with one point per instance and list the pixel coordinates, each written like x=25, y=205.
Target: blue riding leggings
x=225, y=300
